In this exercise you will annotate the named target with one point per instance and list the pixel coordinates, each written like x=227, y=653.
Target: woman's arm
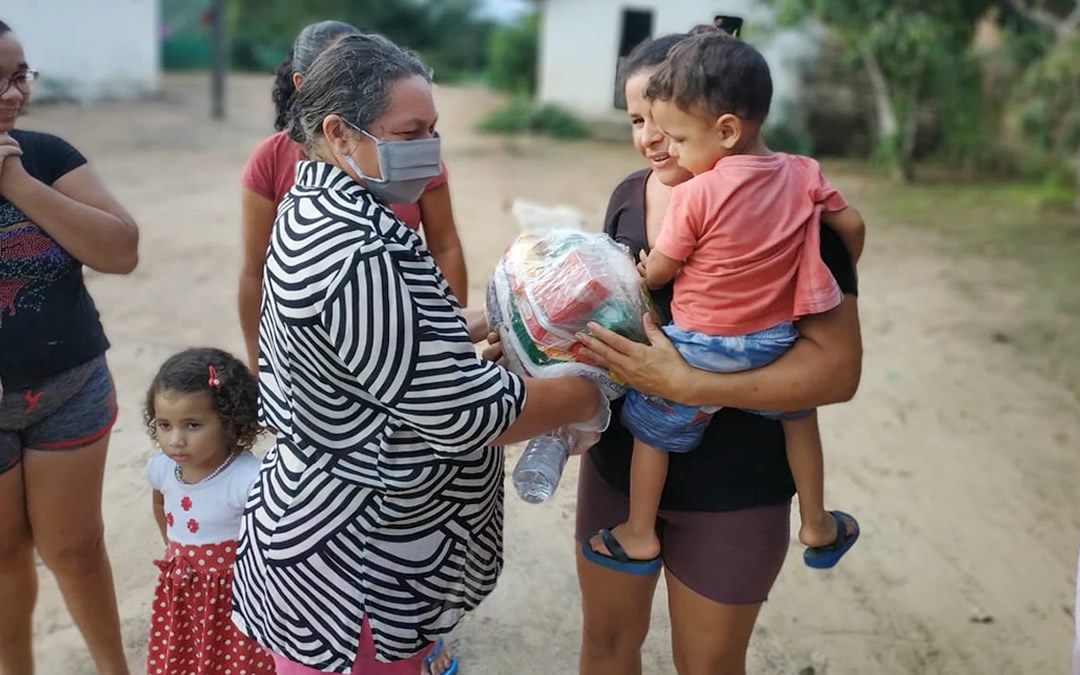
x=551, y=404
x=440, y=233
x=431, y=380
x=159, y=515
x=257, y=218
x=823, y=367
x=545, y=399
x=79, y=213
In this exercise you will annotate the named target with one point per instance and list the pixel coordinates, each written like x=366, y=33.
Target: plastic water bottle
x=540, y=467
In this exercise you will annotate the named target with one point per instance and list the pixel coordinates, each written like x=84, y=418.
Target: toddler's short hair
x=714, y=73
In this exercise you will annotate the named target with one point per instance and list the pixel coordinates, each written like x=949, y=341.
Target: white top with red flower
x=207, y=512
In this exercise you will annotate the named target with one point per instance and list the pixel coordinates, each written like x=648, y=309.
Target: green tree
x=1060, y=17
x=512, y=56
x=456, y=41
x=446, y=32
x=1047, y=98
x=908, y=49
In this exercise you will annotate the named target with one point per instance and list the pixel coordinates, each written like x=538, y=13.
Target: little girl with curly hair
x=201, y=411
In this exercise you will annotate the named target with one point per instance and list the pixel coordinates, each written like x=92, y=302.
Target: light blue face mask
x=406, y=167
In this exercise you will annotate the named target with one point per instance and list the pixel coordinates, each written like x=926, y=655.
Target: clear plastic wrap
x=551, y=282
x=548, y=286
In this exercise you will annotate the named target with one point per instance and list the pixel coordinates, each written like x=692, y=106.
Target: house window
x=637, y=26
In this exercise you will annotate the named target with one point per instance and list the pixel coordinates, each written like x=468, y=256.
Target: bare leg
x=18, y=578
x=616, y=608
x=63, y=491
x=648, y=472
x=708, y=638
x=807, y=463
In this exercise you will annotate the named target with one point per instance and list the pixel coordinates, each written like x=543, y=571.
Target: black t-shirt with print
x=741, y=462
x=48, y=322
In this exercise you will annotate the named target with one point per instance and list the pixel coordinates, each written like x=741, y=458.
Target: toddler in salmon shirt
x=741, y=241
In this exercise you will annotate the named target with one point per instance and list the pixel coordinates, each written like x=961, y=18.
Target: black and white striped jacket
x=381, y=495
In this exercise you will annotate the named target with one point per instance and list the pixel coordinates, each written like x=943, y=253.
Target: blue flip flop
x=430, y=658
x=824, y=557
x=618, y=560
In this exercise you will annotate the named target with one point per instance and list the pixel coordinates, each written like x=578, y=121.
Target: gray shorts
x=65, y=412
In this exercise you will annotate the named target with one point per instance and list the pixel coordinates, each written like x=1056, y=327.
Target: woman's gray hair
x=314, y=39
x=352, y=78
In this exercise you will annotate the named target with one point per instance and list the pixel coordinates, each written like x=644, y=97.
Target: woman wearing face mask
x=271, y=169
x=376, y=522
x=58, y=403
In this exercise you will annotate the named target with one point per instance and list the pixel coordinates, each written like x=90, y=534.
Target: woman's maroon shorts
x=730, y=557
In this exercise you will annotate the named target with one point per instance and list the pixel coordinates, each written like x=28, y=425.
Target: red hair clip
x=213, y=381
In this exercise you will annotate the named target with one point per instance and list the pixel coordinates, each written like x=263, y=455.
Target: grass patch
x=1016, y=222
x=522, y=115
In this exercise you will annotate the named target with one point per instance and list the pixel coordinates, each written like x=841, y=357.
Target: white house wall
x=89, y=49
x=579, y=42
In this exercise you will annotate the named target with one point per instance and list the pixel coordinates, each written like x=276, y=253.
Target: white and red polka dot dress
x=191, y=629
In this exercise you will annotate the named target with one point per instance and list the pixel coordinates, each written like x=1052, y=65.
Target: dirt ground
x=960, y=464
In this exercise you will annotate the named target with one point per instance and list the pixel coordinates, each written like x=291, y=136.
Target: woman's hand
x=494, y=351
x=656, y=368
x=479, y=330
x=477, y=324
x=583, y=440
x=9, y=148
x=598, y=423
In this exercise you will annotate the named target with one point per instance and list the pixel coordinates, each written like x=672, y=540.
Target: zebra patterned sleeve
x=419, y=367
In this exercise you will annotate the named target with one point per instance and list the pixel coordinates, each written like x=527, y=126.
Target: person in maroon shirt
x=269, y=174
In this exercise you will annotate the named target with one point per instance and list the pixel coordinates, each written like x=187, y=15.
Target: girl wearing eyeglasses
x=58, y=404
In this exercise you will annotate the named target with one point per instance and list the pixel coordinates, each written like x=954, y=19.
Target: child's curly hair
x=234, y=396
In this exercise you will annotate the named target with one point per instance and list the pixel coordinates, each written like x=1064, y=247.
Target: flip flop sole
x=636, y=567
x=826, y=557
x=430, y=658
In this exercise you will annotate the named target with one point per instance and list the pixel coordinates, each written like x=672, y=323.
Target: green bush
x=185, y=44
x=450, y=34
x=559, y=123
x=512, y=118
x=185, y=51
x=512, y=56
x=521, y=115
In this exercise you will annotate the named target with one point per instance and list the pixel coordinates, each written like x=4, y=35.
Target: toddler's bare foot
x=439, y=663
x=820, y=529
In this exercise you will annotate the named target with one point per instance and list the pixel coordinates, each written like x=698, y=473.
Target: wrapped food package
x=548, y=285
